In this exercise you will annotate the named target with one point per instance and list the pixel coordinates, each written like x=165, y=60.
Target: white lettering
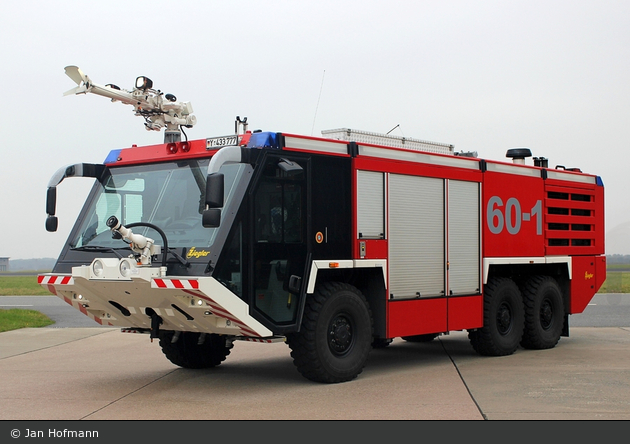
x=33, y=433
x=65, y=433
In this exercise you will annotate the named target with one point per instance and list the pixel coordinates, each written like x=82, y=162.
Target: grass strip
x=21, y=286
x=617, y=281
x=17, y=318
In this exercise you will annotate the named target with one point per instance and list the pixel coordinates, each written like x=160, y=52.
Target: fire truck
x=335, y=245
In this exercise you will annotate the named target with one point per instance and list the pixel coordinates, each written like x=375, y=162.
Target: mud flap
x=156, y=321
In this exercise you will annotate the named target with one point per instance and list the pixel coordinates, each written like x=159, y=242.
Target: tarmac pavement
x=103, y=374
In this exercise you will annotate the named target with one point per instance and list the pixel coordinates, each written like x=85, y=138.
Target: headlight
x=97, y=268
x=125, y=267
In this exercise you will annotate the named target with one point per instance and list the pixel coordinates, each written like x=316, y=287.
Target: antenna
x=393, y=129
x=316, y=107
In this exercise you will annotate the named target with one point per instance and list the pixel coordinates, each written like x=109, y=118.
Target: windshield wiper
x=99, y=249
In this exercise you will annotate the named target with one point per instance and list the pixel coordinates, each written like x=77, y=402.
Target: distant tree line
x=613, y=259
x=40, y=264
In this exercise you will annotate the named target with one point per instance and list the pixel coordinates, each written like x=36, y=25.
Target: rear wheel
x=192, y=350
x=503, y=319
x=544, y=313
x=335, y=338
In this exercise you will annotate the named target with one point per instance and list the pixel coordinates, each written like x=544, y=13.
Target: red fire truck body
x=334, y=246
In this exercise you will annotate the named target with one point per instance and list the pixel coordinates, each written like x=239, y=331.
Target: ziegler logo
x=197, y=253
x=588, y=275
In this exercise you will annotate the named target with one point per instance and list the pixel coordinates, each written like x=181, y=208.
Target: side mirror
x=51, y=223
x=51, y=200
x=211, y=218
x=78, y=170
x=51, y=204
x=214, y=191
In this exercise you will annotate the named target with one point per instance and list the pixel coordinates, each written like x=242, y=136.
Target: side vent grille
x=569, y=220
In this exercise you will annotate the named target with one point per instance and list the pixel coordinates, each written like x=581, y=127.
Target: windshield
x=168, y=195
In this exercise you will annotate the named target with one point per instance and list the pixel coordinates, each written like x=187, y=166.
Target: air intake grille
x=569, y=220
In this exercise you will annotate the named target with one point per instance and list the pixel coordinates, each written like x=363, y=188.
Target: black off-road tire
x=544, y=313
x=335, y=338
x=421, y=338
x=503, y=319
x=186, y=352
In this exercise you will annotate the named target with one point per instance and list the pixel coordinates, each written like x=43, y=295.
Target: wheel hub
x=504, y=319
x=546, y=314
x=340, y=335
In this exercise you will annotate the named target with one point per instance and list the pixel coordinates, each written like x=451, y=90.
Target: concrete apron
x=103, y=374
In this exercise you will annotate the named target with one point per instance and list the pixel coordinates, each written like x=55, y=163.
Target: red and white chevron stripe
x=180, y=284
x=49, y=281
x=221, y=312
x=59, y=279
x=82, y=309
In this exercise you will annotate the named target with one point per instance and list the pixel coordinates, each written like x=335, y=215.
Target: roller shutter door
x=416, y=236
x=463, y=237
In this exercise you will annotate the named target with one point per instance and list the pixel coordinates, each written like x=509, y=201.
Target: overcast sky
x=484, y=76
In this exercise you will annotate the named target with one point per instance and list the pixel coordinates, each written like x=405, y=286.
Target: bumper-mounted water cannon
x=138, y=243
x=159, y=110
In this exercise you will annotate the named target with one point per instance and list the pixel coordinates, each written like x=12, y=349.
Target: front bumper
x=198, y=304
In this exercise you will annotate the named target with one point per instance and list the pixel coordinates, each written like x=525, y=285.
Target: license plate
x=218, y=142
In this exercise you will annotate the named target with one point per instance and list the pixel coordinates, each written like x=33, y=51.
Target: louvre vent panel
x=570, y=220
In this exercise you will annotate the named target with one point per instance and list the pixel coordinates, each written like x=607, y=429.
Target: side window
x=370, y=205
x=293, y=204
x=278, y=209
x=268, y=204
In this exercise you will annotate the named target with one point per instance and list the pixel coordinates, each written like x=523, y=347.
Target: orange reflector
x=333, y=264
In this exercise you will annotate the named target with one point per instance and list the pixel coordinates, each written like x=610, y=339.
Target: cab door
x=278, y=248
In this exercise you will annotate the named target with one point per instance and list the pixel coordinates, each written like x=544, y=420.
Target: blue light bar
x=113, y=156
x=264, y=140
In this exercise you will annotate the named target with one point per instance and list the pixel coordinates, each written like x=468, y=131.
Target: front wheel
x=503, y=319
x=335, y=338
x=192, y=350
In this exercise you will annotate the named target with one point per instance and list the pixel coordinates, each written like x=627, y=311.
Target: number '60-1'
x=512, y=217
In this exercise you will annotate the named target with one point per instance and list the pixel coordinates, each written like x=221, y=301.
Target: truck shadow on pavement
x=398, y=357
